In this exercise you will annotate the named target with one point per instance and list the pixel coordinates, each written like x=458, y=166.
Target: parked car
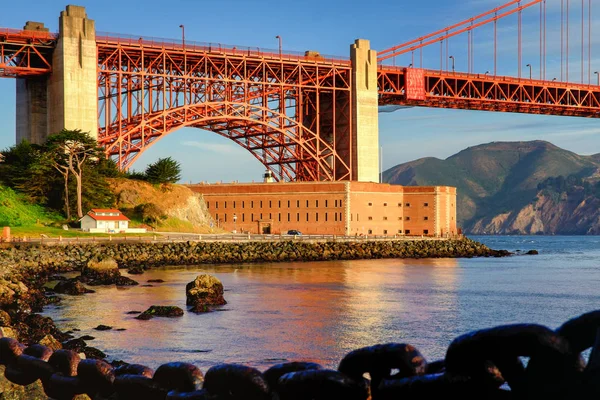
x=294, y=232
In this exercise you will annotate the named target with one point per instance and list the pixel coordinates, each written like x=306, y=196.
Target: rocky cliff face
x=547, y=214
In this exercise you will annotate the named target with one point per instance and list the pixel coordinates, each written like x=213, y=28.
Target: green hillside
x=494, y=178
x=16, y=211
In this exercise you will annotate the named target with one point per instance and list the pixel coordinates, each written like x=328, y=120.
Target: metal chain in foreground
x=485, y=364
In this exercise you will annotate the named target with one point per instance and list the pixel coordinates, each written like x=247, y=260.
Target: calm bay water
x=321, y=311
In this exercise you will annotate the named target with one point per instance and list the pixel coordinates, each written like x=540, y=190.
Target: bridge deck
x=25, y=53
x=444, y=89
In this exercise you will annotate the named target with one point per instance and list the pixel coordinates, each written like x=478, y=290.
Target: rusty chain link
x=484, y=364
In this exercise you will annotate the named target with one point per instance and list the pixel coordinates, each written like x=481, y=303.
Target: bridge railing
x=491, y=78
x=29, y=34
x=173, y=44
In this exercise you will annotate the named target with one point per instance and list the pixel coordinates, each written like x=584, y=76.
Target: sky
x=330, y=27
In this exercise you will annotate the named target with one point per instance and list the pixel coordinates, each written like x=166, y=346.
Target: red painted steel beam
x=260, y=100
x=489, y=93
x=25, y=53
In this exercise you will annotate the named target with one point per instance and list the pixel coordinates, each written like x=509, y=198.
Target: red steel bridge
x=294, y=111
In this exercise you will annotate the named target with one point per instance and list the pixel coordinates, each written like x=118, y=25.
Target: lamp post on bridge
x=529, y=65
x=182, y=35
x=598, y=75
x=279, y=37
x=452, y=58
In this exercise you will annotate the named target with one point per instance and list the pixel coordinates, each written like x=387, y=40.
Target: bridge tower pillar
x=365, y=122
x=68, y=98
x=32, y=102
x=73, y=85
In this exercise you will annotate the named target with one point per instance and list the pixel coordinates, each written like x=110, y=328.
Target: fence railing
x=209, y=238
x=173, y=44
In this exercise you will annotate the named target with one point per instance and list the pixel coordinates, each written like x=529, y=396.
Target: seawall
x=58, y=258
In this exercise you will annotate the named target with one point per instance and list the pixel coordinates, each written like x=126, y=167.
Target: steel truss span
x=25, y=53
x=292, y=113
x=431, y=88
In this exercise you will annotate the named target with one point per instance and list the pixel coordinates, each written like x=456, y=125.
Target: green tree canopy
x=165, y=170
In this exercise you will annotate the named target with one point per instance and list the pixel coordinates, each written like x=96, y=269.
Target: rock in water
x=104, y=272
x=72, y=287
x=101, y=270
x=205, y=290
x=160, y=311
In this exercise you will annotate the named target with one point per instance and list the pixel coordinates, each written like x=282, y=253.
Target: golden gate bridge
x=297, y=112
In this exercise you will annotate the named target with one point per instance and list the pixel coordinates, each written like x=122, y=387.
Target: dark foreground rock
x=475, y=366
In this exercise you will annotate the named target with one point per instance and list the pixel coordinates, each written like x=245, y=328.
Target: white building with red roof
x=99, y=220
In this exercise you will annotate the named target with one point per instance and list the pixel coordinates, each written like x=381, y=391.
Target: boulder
x=101, y=270
x=205, y=290
x=50, y=342
x=93, y=353
x=161, y=311
x=125, y=281
x=136, y=270
x=77, y=345
x=72, y=287
x=104, y=272
x=6, y=331
x=103, y=328
x=5, y=319
x=10, y=291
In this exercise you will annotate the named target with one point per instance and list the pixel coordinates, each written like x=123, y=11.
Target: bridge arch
x=292, y=112
x=282, y=144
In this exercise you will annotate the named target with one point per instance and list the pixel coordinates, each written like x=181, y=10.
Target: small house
x=106, y=220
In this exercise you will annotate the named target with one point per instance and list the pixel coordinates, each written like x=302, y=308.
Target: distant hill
x=503, y=187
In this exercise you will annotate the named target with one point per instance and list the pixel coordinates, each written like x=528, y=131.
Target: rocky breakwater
x=77, y=256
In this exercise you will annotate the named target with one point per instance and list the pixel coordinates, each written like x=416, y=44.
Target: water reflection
x=299, y=311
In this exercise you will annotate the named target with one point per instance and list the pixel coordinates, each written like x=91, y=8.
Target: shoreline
x=26, y=267
x=69, y=257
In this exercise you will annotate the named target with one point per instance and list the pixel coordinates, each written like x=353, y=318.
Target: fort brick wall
x=335, y=208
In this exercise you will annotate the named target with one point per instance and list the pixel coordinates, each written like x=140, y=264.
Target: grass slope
x=17, y=212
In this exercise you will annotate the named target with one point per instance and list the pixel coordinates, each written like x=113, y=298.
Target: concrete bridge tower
x=365, y=118
x=68, y=98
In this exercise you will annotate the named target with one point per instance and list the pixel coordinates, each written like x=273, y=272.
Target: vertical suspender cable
x=541, y=45
x=469, y=51
x=472, y=49
x=567, y=66
x=496, y=46
x=562, y=38
x=589, y=42
x=441, y=55
x=544, y=39
x=519, y=45
x=447, y=50
x=582, y=38
x=421, y=54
